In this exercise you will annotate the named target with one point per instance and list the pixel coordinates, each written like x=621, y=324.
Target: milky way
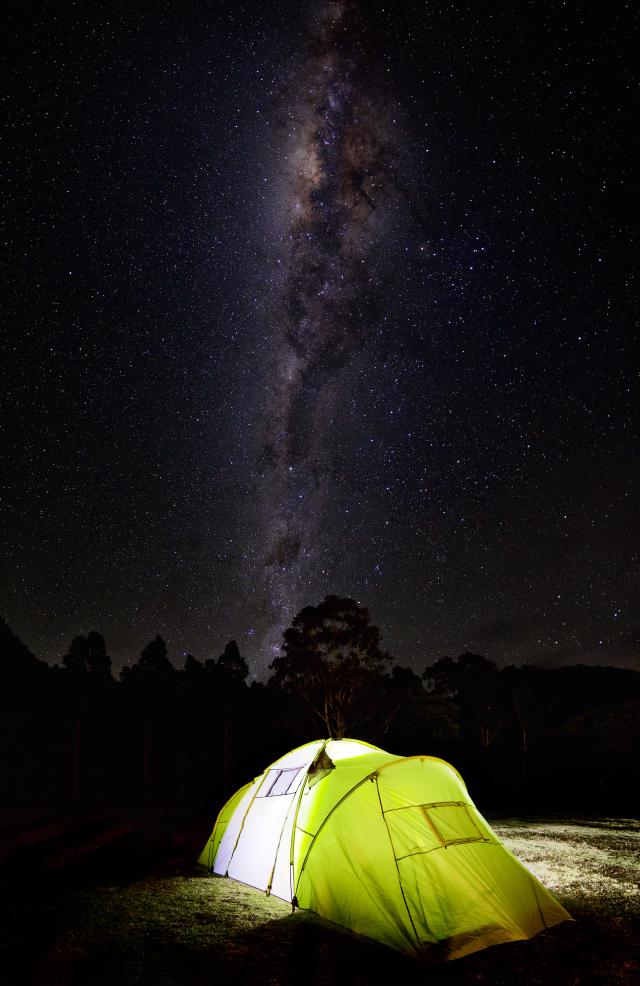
x=338, y=165
x=304, y=299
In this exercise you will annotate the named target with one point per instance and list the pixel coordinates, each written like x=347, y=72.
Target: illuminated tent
x=391, y=847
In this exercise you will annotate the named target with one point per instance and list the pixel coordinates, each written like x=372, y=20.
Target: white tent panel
x=302, y=755
x=230, y=837
x=254, y=858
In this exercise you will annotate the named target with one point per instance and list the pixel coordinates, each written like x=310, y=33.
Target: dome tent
x=390, y=847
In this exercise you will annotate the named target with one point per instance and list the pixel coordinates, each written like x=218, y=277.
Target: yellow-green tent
x=391, y=847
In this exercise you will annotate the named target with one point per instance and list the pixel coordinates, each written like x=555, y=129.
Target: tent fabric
x=390, y=847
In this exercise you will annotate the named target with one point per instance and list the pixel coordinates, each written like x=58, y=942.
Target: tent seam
x=275, y=858
x=292, y=844
x=244, y=818
x=430, y=804
x=395, y=862
x=445, y=845
x=344, y=797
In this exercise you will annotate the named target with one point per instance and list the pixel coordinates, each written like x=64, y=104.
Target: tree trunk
x=146, y=745
x=77, y=749
x=523, y=738
x=225, y=754
x=523, y=762
x=204, y=762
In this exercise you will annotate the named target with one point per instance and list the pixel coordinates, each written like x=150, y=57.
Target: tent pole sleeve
x=344, y=797
x=284, y=825
x=424, y=756
x=295, y=822
x=212, y=838
x=395, y=861
x=235, y=846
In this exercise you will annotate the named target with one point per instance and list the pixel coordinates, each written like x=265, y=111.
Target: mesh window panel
x=423, y=828
x=282, y=782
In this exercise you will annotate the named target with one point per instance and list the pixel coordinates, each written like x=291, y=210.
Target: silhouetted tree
x=419, y=716
x=231, y=672
x=28, y=699
x=524, y=692
x=77, y=657
x=331, y=660
x=570, y=735
x=98, y=661
x=154, y=659
x=193, y=669
x=200, y=694
x=88, y=654
x=17, y=663
x=609, y=740
x=232, y=663
x=472, y=682
x=151, y=679
x=89, y=667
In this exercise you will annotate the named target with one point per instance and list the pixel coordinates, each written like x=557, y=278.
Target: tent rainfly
x=391, y=847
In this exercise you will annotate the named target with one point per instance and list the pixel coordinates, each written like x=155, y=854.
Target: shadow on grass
x=290, y=951
x=197, y=948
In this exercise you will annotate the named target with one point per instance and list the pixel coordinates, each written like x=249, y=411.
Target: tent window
x=422, y=828
x=294, y=784
x=281, y=782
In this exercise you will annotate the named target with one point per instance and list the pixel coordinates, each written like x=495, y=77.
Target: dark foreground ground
x=91, y=901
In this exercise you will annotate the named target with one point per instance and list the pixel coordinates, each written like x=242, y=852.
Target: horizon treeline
x=524, y=738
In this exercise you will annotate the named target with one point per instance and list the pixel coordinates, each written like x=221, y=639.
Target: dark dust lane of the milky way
x=338, y=172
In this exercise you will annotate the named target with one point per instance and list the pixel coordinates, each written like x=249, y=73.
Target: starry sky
x=321, y=297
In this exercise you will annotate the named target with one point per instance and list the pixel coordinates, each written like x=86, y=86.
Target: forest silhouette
x=525, y=738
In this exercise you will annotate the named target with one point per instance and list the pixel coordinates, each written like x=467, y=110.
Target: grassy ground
x=135, y=910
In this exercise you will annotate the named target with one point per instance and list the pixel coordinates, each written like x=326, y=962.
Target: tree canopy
x=331, y=660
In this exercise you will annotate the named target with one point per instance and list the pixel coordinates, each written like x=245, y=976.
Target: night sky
x=325, y=297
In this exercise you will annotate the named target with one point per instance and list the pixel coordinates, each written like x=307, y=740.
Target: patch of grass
x=177, y=925
x=592, y=867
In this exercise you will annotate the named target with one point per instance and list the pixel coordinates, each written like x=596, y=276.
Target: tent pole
x=393, y=853
x=295, y=822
